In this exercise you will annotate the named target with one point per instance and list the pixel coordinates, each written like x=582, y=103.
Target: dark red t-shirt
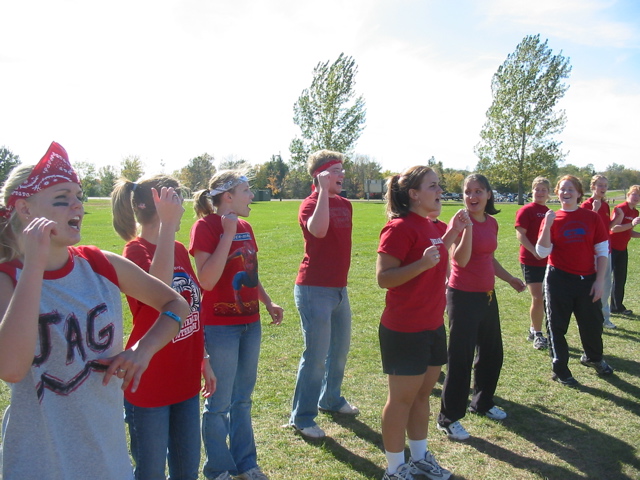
x=620, y=240
x=530, y=217
x=479, y=273
x=174, y=372
x=418, y=304
x=574, y=236
x=326, y=260
x=603, y=212
x=234, y=299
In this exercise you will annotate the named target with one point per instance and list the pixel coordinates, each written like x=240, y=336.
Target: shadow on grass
x=622, y=333
x=594, y=453
x=358, y=463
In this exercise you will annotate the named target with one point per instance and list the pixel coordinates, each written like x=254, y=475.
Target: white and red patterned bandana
x=52, y=169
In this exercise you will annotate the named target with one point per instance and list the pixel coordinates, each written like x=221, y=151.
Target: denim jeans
x=606, y=291
x=165, y=433
x=325, y=317
x=234, y=352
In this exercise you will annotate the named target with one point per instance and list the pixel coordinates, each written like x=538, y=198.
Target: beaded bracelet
x=173, y=316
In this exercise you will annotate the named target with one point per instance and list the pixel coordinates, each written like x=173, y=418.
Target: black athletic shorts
x=533, y=274
x=411, y=353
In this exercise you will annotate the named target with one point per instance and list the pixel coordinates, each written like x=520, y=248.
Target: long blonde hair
x=132, y=202
x=204, y=203
x=11, y=228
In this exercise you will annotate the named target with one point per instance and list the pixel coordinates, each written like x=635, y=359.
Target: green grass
x=552, y=431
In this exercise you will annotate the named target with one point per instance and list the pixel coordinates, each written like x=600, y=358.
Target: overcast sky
x=169, y=80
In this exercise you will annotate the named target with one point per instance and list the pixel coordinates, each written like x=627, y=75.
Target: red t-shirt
x=418, y=304
x=620, y=240
x=174, y=372
x=574, y=236
x=234, y=299
x=326, y=260
x=603, y=212
x=440, y=225
x=530, y=217
x=479, y=273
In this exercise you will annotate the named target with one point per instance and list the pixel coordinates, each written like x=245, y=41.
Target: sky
x=169, y=80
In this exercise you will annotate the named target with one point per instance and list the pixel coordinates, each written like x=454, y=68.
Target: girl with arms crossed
x=528, y=220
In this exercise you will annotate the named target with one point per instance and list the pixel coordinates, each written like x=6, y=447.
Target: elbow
x=318, y=234
x=383, y=281
x=462, y=262
x=14, y=376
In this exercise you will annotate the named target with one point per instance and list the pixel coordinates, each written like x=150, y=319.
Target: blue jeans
x=325, y=317
x=234, y=352
x=165, y=433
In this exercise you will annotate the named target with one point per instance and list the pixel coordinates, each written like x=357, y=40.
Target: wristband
x=173, y=316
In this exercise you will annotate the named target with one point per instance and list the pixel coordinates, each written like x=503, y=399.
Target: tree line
x=517, y=142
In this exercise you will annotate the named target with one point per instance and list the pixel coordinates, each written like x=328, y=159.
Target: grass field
x=552, y=431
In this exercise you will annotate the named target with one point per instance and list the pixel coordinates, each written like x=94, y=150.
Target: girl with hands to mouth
x=61, y=331
x=475, y=338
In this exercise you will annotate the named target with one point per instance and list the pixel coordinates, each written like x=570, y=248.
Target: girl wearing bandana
x=164, y=413
x=225, y=253
x=61, y=331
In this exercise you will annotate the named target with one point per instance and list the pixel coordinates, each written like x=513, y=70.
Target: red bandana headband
x=52, y=169
x=325, y=166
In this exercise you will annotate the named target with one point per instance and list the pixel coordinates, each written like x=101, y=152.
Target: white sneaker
x=609, y=324
x=540, y=343
x=254, y=474
x=314, y=432
x=429, y=468
x=454, y=431
x=346, y=409
x=495, y=413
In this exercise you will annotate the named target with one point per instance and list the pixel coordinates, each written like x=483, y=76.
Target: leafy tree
x=583, y=173
x=452, y=181
x=132, y=168
x=297, y=183
x=299, y=151
x=8, y=160
x=621, y=177
x=89, y=178
x=328, y=112
x=276, y=168
x=275, y=186
x=358, y=172
x=197, y=173
x=108, y=176
x=517, y=139
x=231, y=162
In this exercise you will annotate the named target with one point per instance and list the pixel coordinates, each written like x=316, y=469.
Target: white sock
x=394, y=460
x=418, y=449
